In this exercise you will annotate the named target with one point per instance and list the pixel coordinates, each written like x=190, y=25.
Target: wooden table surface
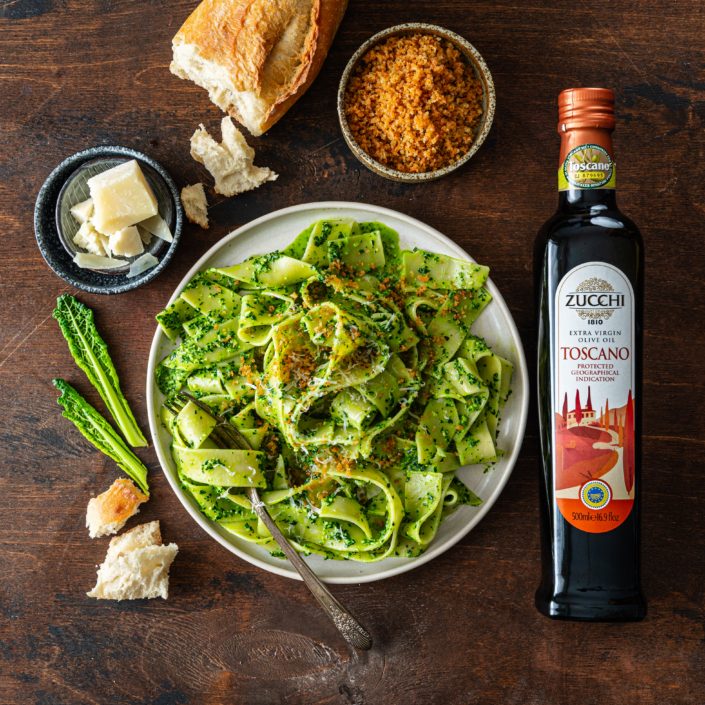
x=462, y=629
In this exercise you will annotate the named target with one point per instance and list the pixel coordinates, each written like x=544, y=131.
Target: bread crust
x=272, y=49
x=108, y=512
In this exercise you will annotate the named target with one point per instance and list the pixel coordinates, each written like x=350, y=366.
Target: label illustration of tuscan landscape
x=593, y=402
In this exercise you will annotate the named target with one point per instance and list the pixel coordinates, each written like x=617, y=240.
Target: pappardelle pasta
x=350, y=367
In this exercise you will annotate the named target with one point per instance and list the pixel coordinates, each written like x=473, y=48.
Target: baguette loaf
x=256, y=57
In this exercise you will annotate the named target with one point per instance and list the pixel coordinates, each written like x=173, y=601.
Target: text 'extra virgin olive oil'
x=589, y=268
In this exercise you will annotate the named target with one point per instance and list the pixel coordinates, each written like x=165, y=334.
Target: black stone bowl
x=52, y=243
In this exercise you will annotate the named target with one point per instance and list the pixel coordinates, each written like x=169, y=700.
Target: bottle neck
x=586, y=169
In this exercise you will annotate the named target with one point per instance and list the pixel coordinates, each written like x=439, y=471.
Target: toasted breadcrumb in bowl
x=415, y=102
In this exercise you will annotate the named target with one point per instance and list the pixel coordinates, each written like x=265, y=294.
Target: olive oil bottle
x=589, y=269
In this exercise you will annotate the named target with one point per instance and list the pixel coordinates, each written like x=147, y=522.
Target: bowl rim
x=481, y=68
x=46, y=203
x=521, y=370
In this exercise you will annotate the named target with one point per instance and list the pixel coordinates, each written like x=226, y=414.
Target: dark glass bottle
x=589, y=268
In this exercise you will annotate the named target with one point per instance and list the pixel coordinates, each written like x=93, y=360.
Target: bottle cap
x=586, y=107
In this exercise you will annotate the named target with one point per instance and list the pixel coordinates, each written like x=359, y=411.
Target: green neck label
x=587, y=166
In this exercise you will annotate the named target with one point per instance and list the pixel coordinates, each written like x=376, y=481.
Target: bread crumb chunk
x=193, y=199
x=230, y=162
x=107, y=513
x=136, y=566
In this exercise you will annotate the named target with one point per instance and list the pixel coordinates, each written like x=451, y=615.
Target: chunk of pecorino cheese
x=156, y=225
x=83, y=211
x=126, y=242
x=121, y=197
x=90, y=240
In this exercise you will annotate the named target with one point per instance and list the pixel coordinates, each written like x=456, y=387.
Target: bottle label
x=587, y=166
x=593, y=402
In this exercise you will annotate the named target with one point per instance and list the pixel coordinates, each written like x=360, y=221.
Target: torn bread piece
x=256, y=57
x=229, y=162
x=136, y=566
x=141, y=536
x=107, y=513
x=193, y=199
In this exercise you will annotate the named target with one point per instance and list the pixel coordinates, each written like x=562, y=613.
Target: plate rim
x=434, y=550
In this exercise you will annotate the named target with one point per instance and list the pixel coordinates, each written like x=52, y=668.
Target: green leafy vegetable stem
x=100, y=433
x=91, y=354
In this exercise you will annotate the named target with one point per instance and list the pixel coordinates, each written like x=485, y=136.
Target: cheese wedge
x=156, y=225
x=83, y=211
x=126, y=242
x=90, y=240
x=85, y=260
x=121, y=197
x=142, y=264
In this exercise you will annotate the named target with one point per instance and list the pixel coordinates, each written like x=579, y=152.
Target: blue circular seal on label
x=595, y=494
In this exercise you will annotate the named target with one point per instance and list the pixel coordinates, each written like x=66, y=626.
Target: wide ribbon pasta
x=350, y=367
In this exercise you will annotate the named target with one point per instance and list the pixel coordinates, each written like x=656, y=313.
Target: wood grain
x=461, y=630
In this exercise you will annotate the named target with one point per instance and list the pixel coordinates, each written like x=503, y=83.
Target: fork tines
x=224, y=435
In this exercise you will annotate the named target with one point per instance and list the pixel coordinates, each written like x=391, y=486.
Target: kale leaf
x=100, y=433
x=91, y=354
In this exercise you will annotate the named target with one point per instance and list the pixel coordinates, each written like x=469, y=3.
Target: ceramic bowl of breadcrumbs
x=415, y=102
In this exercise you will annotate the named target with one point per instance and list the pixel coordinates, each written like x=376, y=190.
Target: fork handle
x=351, y=630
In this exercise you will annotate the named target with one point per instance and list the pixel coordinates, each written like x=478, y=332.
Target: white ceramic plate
x=275, y=231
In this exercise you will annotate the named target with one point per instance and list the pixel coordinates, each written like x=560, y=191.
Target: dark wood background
x=462, y=629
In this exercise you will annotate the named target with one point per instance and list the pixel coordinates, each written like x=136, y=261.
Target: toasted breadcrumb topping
x=413, y=103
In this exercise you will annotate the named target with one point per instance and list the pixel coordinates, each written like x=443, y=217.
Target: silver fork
x=226, y=435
